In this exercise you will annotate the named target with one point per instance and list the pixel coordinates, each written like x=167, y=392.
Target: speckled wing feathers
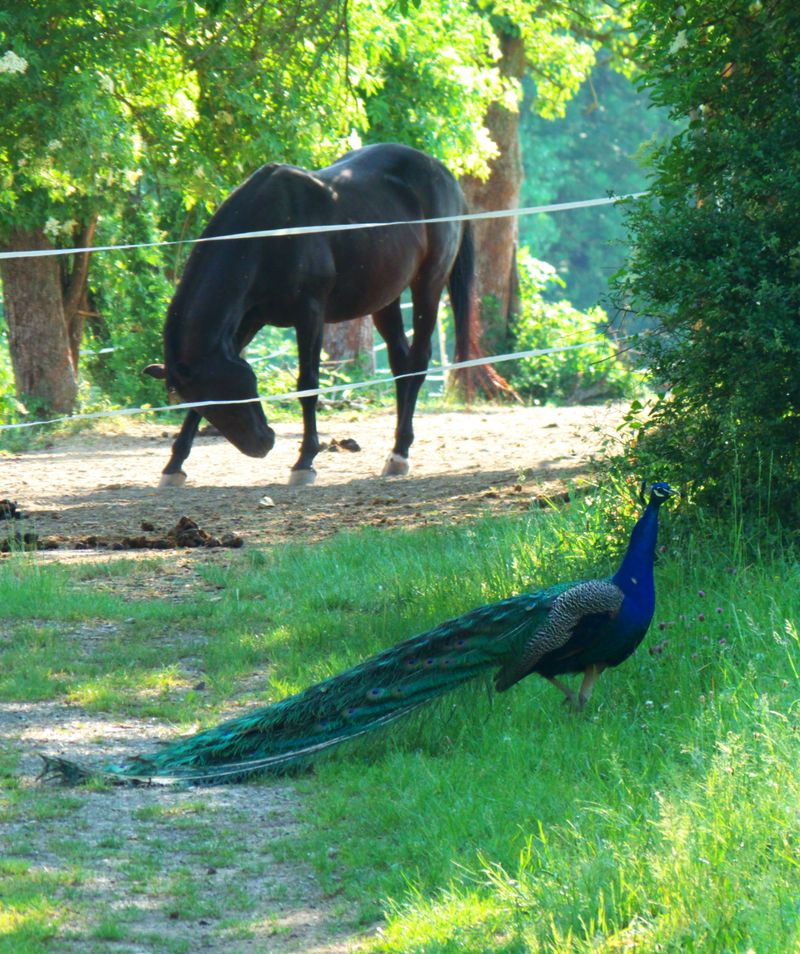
x=567, y=610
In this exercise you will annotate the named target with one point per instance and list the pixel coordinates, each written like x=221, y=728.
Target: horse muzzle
x=254, y=444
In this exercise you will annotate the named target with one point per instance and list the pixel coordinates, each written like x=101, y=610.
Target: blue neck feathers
x=635, y=575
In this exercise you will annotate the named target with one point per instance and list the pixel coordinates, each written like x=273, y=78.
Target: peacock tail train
x=577, y=627
x=372, y=694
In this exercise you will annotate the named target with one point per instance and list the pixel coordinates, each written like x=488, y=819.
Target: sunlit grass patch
x=30, y=906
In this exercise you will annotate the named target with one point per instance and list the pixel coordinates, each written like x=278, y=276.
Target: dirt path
x=102, y=488
x=463, y=463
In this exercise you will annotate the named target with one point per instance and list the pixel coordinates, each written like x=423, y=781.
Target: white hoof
x=302, y=478
x=172, y=480
x=395, y=466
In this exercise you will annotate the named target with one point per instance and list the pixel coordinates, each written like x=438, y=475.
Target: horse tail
x=461, y=286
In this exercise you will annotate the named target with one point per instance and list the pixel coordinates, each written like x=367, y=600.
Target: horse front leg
x=173, y=474
x=309, y=348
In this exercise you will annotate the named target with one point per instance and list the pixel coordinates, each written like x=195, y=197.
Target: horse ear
x=155, y=371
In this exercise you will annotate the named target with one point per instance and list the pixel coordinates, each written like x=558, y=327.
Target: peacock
x=584, y=627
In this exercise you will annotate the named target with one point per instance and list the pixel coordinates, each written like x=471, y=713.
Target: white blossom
x=679, y=42
x=11, y=63
x=54, y=144
x=106, y=83
x=52, y=227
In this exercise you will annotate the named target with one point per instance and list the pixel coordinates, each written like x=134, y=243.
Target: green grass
x=664, y=818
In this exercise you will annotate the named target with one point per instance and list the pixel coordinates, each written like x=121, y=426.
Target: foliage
x=431, y=97
x=7, y=392
x=130, y=292
x=148, y=118
x=715, y=249
x=584, y=374
x=596, y=149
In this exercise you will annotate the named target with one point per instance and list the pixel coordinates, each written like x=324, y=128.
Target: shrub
x=716, y=249
x=583, y=374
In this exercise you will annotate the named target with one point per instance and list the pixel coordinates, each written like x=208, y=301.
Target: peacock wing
x=565, y=611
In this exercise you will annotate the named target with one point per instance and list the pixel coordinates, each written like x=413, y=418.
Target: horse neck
x=208, y=305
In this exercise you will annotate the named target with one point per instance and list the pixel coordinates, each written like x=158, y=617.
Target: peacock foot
x=178, y=479
x=302, y=477
x=396, y=466
x=573, y=702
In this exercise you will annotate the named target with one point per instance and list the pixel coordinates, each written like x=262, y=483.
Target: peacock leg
x=570, y=697
x=590, y=677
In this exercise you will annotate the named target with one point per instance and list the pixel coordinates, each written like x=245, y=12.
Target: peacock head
x=659, y=492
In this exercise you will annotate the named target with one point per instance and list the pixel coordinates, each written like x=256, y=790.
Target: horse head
x=219, y=377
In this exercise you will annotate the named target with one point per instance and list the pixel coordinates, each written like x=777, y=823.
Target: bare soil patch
x=99, y=491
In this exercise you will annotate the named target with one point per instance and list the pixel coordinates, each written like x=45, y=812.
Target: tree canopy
x=145, y=115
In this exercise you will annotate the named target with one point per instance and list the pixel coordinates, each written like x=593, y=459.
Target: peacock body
x=583, y=627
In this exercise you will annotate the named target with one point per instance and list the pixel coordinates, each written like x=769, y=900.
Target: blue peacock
x=579, y=627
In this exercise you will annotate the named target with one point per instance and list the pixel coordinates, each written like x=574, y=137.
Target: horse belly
x=373, y=272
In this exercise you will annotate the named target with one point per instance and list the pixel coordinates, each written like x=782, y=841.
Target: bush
x=716, y=250
x=579, y=375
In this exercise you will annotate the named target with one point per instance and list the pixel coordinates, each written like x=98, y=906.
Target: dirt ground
x=87, y=494
x=99, y=491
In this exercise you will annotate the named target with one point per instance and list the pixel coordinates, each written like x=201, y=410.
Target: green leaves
x=715, y=248
x=572, y=375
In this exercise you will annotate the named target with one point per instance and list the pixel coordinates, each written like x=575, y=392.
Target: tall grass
x=664, y=819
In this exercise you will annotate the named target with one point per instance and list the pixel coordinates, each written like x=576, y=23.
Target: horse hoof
x=172, y=480
x=395, y=466
x=302, y=478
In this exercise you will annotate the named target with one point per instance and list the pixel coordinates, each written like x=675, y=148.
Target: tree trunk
x=76, y=289
x=350, y=341
x=41, y=355
x=496, y=239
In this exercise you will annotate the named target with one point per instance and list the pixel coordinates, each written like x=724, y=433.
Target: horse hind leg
x=396, y=466
x=414, y=362
x=173, y=474
x=389, y=322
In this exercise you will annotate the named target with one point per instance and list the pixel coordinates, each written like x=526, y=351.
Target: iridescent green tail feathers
x=583, y=627
x=367, y=697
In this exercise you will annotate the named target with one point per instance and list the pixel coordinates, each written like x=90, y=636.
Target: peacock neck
x=635, y=575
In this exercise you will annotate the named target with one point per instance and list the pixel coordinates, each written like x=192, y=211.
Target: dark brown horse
x=230, y=289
